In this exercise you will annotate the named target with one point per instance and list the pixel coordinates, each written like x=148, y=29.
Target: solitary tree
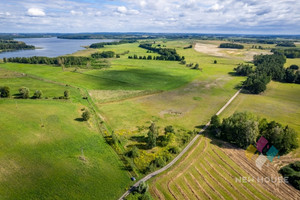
x=38, y=94
x=215, y=61
x=66, y=94
x=86, y=115
x=5, y=92
x=24, y=92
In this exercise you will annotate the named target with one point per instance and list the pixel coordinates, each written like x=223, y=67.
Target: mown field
x=212, y=170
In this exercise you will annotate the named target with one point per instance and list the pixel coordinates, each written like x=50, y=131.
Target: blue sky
x=197, y=16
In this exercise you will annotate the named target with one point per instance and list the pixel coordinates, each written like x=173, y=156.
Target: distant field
x=40, y=154
x=208, y=171
x=246, y=54
x=280, y=102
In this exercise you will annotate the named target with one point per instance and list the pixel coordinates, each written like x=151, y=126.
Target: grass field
x=41, y=149
x=208, y=171
x=41, y=145
x=280, y=102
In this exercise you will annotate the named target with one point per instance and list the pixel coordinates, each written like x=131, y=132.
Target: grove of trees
x=231, y=46
x=7, y=45
x=244, y=128
x=268, y=67
x=165, y=53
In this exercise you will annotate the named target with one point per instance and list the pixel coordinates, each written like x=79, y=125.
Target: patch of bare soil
x=243, y=54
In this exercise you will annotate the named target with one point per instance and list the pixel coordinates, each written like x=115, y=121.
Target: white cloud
x=122, y=9
x=223, y=16
x=73, y=12
x=36, y=12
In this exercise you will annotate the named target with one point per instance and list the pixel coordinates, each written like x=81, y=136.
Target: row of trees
x=24, y=93
x=268, y=67
x=165, y=53
x=60, y=61
x=286, y=44
x=14, y=45
x=289, y=53
x=231, y=45
x=104, y=54
x=102, y=44
x=244, y=128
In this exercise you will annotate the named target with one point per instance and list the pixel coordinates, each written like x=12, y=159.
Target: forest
x=7, y=45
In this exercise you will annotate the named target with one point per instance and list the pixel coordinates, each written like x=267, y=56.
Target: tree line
x=65, y=60
x=231, y=45
x=24, y=93
x=243, y=129
x=102, y=44
x=268, y=67
x=289, y=53
x=286, y=44
x=6, y=45
x=165, y=53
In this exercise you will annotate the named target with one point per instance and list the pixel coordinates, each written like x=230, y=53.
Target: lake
x=50, y=47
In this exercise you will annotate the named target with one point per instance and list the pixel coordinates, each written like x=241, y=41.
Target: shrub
x=5, y=92
x=66, y=94
x=169, y=129
x=142, y=188
x=38, y=94
x=134, y=152
x=174, y=150
x=24, y=92
x=86, y=115
x=286, y=171
x=215, y=61
x=296, y=166
x=294, y=67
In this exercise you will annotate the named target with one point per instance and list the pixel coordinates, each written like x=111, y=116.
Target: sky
x=180, y=16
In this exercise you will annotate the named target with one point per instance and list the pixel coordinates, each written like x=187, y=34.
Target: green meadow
x=47, y=152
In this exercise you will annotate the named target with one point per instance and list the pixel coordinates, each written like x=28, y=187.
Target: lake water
x=50, y=47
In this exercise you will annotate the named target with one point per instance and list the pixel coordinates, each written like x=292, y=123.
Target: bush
x=38, y=94
x=296, y=166
x=174, y=150
x=145, y=197
x=86, y=115
x=24, y=92
x=286, y=171
x=142, y=188
x=294, y=67
x=4, y=92
x=215, y=61
x=66, y=94
x=295, y=181
x=169, y=129
x=134, y=152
